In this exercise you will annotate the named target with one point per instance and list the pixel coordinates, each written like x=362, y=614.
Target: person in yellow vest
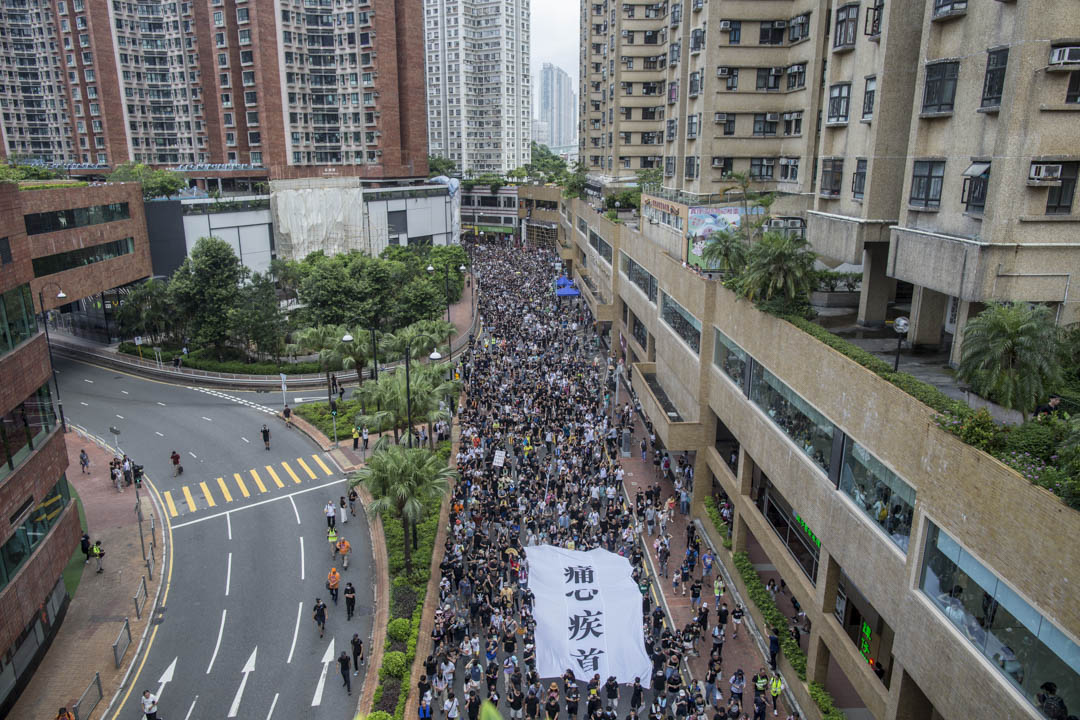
x=331, y=537
x=355, y=438
x=776, y=686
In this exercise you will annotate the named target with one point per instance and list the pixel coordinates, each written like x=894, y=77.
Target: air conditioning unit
x=720, y=117
x=717, y=162
x=1065, y=55
x=794, y=223
x=787, y=116
x=772, y=117
x=1042, y=171
x=776, y=71
x=723, y=71
x=725, y=25
x=780, y=24
x=625, y=33
x=777, y=223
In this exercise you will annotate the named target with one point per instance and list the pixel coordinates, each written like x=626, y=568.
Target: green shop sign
x=494, y=229
x=806, y=529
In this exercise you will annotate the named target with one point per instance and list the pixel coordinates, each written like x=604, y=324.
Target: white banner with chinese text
x=588, y=615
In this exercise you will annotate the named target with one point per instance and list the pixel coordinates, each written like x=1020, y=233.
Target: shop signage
x=864, y=640
x=806, y=529
x=662, y=205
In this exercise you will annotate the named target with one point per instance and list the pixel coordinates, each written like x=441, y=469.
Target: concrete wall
x=165, y=230
x=250, y=233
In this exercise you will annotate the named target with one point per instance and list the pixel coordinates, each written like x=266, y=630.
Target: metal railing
x=140, y=598
x=89, y=700
x=123, y=641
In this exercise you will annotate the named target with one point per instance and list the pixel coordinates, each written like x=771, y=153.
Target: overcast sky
x=555, y=37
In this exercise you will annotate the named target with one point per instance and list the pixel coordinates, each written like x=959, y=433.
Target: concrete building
x=902, y=544
x=75, y=241
x=541, y=132
x=490, y=215
x=228, y=89
x=479, y=93
x=558, y=105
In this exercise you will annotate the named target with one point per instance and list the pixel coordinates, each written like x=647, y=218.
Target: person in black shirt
x=551, y=707
x=611, y=690
x=636, y=695
x=474, y=705
x=573, y=697
x=532, y=705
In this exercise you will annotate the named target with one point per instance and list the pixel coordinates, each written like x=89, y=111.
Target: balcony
x=669, y=425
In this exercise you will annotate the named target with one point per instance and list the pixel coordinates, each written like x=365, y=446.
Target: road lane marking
x=290, y=471
x=295, y=511
x=84, y=404
x=207, y=495
x=228, y=524
x=328, y=657
x=308, y=470
x=249, y=667
x=217, y=645
x=125, y=392
x=240, y=483
x=224, y=489
x=192, y=454
x=274, y=475
x=159, y=434
x=120, y=416
x=273, y=704
x=258, y=480
x=301, y=557
x=206, y=418
x=88, y=381
x=190, y=709
x=164, y=405
x=244, y=439
x=296, y=630
x=190, y=500
x=249, y=506
x=322, y=465
x=228, y=575
x=169, y=502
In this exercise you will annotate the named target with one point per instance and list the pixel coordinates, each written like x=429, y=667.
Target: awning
x=564, y=281
x=977, y=169
x=568, y=292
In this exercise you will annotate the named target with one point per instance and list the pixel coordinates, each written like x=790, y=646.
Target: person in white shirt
x=149, y=705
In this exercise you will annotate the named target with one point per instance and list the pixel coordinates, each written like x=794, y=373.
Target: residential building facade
x=479, y=91
x=558, y=105
x=278, y=89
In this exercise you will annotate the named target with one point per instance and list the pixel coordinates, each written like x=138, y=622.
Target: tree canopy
x=155, y=182
x=438, y=165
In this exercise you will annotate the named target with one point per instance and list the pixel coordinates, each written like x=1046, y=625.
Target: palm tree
x=388, y=395
x=779, y=264
x=402, y=481
x=357, y=352
x=393, y=344
x=1012, y=353
x=429, y=388
x=725, y=251
x=323, y=340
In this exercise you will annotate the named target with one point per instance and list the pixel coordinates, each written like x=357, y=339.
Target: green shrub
x=825, y=703
x=379, y=715
x=717, y=521
x=199, y=360
x=393, y=664
x=398, y=629
x=927, y=394
x=772, y=615
x=865, y=358
x=1035, y=438
x=391, y=691
x=977, y=429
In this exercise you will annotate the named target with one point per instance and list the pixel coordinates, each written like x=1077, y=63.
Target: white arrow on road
x=327, y=658
x=166, y=677
x=249, y=667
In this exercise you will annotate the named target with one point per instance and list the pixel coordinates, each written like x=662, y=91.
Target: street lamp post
x=408, y=397
x=461, y=269
x=900, y=325
x=48, y=342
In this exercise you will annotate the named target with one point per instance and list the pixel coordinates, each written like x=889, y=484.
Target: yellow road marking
x=318, y=459
x=190, y=500
x=241, y=485
x=224, y=489
x=270, y=469
x=258, y=480
x=207, y=495
x=306, y=468
x=290, y=471
x=169, y=502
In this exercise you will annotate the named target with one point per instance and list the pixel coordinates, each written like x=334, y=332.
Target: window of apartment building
x=229, y=121
x=693, y=125
x=59, y=262
x=771, y=33
x=252, y=117
x=789, y=169
x=926, y=180
x=949, y=7
x=799, y=28
x=652, y=37
x=793, y=123
x=761, y=168
x=994, y=82
x=796, y=76
x=242, y=15
x=735, y=33
x=869, y=91
x=673, y=92
x=858, y=179
x=674, y=53
x=731, y=75
x=769, y=78
x=1060, y=199
x=247, y=57
x=626, y=138
x=672, y=129
x=729, y=124
x=245, y=37
x=669, y=166
x=976, y=181
x=223, y=60
x=940, y=90
x=251, y=97
x=1072, y=93
x=652, y=113
x=226, y=99
x=874, y=13
x=230, y=138
x=1022, y=644
x=832, y=172
x=697, y=40
x=624, y=162
x=219, y=18
x=628, y=37
x=847, y=18
x=694, y=86
x=763, y=125
x=219, y=39
x=650, y=138
x=627, y=88
x=723, y=164
x=692, y=167
x=248, y=77
x=629, y=9
x=839, y=100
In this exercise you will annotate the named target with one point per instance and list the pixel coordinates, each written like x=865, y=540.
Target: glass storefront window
x=640, y=332
x=730, y=358
x=24, y=427
x=683, y=323
x=600, y=245
x=1028, y=649
x=29, y=534
x=792, y=530
x=878, y=492
x=639, y=276
x=808, y=428
x=51, y=264
x=17, y=319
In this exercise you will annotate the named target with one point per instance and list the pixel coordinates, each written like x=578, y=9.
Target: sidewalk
x=741, y=652
x=96, y=614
